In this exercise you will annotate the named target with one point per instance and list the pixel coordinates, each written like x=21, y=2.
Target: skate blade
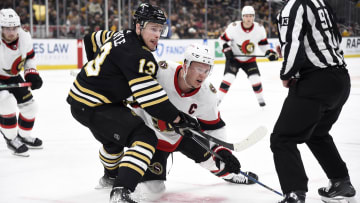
x=35, y=147
x=339, y=199
x=24, y=154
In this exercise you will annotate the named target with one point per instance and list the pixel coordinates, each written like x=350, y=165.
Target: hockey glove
x=229, y=55
x=31, y=75
x=271, y=55
x=186, y=122
x=232, y=164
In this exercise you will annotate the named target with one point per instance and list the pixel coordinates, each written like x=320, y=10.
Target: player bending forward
x=16, y=52
x=187, y=89
x=241, y=38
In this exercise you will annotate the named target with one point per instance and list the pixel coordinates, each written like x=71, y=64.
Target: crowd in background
x=187, y=17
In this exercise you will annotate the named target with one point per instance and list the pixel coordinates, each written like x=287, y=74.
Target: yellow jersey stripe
x=81, y=100
x=137, y=169
x=153, y=89
x=111, y=168
x=146, y=145
x=144, y=105
x=103, y=37
x=118, y=154
x=133, y=81
x=93, y=41
x=83, y=89
x=109, y=160
x=140, y=156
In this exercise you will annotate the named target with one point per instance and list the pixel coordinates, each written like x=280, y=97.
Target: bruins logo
x=247, y=47
x=212, y=88
x=163, y=64
x=156, y=168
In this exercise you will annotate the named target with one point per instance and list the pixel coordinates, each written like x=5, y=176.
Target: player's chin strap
x=197, y=140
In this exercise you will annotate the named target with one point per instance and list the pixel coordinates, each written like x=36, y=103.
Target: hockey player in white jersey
x=242, y=38
x=16, y=52
x=188, y=90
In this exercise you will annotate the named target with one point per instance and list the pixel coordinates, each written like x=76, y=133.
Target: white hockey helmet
x=198, y=53
x=9, y=18
x=248, y=10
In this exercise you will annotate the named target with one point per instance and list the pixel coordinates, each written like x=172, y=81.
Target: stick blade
x=253, y=138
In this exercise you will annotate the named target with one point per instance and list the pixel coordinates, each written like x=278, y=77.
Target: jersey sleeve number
x=324, y=18
x=148, y=68
x=92, y=68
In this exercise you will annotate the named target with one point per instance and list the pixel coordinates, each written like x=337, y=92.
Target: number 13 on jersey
x=92, y=68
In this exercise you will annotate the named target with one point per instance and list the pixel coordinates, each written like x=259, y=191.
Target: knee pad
x=28, y=109
x=8, y=103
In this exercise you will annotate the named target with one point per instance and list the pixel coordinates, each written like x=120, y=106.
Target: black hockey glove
x=232, y=164
x=272, y=55
x=31, y=75
x=229, y=55
x=186, y=122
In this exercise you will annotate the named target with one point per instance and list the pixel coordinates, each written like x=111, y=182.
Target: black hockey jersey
x=123, y=67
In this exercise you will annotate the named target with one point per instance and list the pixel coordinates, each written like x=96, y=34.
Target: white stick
x=252, y=139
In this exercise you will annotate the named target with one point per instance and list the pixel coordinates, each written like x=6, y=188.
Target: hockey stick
x=249, y=55
x=15, y=85
x=253, y=138
x=219, y=157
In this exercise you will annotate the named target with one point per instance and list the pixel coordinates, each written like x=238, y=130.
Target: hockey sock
x=225, y=85
x=25, y=125
x=110, y=161
x=9, y=126
x=257, y=87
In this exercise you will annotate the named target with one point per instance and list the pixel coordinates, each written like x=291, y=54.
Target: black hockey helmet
x=149, y=13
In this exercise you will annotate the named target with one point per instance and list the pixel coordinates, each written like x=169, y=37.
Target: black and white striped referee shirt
x=309, y=37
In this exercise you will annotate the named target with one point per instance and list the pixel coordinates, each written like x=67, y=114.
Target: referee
x=315, y=72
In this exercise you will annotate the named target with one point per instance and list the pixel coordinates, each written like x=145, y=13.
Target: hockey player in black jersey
x=124, y=68
x=315, y=72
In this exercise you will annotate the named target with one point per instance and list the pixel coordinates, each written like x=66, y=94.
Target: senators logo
x=247, y=47
x=163, y=64
x=156, y=168
x=16, y=67
x=212, y=88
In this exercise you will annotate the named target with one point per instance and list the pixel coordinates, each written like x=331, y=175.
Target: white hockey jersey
x=16, y=56
x=201, y=103
x=245, y=41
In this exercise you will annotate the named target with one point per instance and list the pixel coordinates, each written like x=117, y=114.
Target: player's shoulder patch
x=212, y=88
x=163, y=64
x=233, y=24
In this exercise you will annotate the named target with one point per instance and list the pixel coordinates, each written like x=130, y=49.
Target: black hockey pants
x=311, y=108
x=116, y=127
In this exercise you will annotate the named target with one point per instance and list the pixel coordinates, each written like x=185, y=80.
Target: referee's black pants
x=311, y=108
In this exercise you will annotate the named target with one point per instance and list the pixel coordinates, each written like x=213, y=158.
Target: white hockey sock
x=225, y=85
x=257, y=87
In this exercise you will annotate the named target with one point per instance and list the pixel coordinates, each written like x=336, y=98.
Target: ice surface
x=68, y=168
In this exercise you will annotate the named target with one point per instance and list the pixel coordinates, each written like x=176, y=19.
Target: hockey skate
x=294, y=197
x=31, y=142
x=105, y=182
x=17, y=147
x=338, y=191
x=120, y=195
x=241, y=179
